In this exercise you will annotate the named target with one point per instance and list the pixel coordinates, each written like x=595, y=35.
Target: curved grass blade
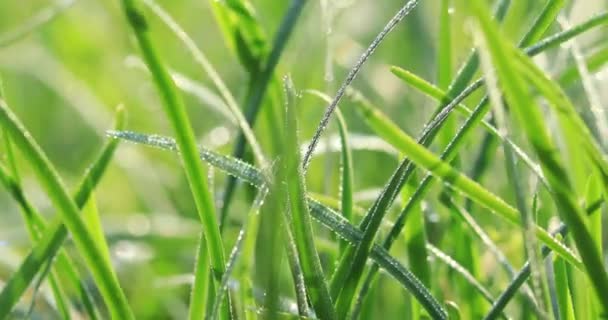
x=346, y=186
x=301, y=224
x=436, y=93
x=258, y=87
x=404, y=11
x=201, y=286
x=321, y=213
x=34, y=225
x=39, y=19
x=566, y=309
x=178, y=118
x=530, y=241
x=531, y=120
x=346, y=190
x=442, y=170
x=462, y=271
x=542, y=23
x=49, y=179
x=212, y=73
x=248, y=231
x=242, y=32
x=51, y=240
x=505, y=297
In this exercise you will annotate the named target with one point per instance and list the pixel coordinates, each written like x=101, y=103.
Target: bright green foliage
x=266, y=208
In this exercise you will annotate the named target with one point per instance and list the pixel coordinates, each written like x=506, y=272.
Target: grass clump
x=308, y=211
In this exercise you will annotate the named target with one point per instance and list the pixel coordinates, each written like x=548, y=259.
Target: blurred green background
x=65, y=79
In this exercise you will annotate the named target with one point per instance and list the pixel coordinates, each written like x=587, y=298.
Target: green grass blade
x=530, y=241
x=51, y=240
x=301, y=225
x=346, y=187
x=566, y=310
x=247, y=233
x=178, y=118
x=531, y=120
x=444, y=49
x=462, y=271
x=542, y=23
x=436, y=93
x=258, y=86
x=242, y=32
x=346, y=190
x=49, y=179
x=505, y=297
x=352, y=74
x=212, y=73
x=199, y=291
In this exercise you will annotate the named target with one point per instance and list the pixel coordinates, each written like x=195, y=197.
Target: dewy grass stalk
x=49, y=179
x=178, y=118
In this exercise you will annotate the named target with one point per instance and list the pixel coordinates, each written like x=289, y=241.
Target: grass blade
x=402, y=13
x=49, y=179
x=301, y=224
x=178, y=118
x=501, y=302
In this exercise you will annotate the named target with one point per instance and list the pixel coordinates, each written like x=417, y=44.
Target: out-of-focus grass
x=65, y=65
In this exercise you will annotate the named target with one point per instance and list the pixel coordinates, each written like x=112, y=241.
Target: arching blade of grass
x=41, y=18
x=242, y=32
x=398, y=17
x=442, y=170
x=531, y=120
x=210, y=71
x=319, y=212
x=566, y=114
x=50, y=181
x=35, y=224
x=505, y=297
x=178, y=118
x=52, y=239
x=346, y=190
x=462, y=271
x=485, y=239
x=566, y=310
x=346, y=168
x=248, y=232
x=436, y=93
x=259, y=84
x=301, y=225
x=531, y=248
